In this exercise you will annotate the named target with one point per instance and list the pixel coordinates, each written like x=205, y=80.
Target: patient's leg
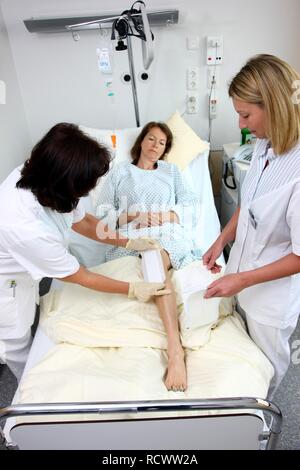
x=166, y=304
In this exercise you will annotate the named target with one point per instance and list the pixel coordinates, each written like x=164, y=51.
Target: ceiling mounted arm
x=64, y=24
x=147, y=45
x=130, y=23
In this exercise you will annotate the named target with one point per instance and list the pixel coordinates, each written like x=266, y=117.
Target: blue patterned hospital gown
x=131, y=189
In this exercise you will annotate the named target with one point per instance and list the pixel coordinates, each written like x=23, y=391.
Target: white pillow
x=103, y=136
x=125, y=141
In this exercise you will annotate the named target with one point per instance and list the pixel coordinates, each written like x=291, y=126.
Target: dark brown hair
x=136, y=149
x=64, y=166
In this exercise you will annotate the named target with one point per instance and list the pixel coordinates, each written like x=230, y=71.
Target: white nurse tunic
x=33, y=245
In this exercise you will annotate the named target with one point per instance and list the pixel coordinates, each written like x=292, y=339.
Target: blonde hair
x=268, y=81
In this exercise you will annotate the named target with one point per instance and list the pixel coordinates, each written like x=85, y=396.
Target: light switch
x=193, y=42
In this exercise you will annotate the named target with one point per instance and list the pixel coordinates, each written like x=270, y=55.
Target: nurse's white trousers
x=274, y=343
x=16, y=353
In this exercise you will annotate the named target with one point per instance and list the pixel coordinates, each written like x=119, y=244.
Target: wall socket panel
x=192, y=78
x=192, y=102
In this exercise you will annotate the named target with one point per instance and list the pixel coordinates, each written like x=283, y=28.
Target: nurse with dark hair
x=39, y=204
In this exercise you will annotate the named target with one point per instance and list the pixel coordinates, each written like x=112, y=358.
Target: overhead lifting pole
x=123, y=24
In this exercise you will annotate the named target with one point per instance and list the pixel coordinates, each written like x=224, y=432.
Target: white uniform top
x=269, y=229
x=33, y=245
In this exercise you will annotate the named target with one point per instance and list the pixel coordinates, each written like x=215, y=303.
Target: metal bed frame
x=186, y=432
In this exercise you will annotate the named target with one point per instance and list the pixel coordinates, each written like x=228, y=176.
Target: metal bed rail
x=216, y=404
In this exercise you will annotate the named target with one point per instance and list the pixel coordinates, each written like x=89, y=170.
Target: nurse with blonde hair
x=264, y=263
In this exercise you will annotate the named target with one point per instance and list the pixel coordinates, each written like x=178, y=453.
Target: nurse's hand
x=226, y=286
x=209, y=258
x=142, y=244
x=143, y=291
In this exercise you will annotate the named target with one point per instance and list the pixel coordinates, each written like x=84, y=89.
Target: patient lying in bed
x=148, y=197
x=108, y=348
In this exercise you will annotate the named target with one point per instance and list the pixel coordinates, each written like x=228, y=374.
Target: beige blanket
x=112, y=348
x=88, y=318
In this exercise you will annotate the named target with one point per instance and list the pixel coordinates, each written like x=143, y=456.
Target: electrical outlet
x=192, y=103
x=192, y=78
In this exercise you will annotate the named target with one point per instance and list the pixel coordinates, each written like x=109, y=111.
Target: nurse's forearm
x=229, y=231
x=284, y=267
x=94, y=281
x=93, y=228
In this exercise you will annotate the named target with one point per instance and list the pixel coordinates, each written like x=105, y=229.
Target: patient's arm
x=94, y=281
x=148, y=219
x=93, y=228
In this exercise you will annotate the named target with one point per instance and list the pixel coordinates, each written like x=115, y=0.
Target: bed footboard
x=239, y=425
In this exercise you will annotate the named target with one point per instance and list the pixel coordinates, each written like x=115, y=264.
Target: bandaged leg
x=176, y=373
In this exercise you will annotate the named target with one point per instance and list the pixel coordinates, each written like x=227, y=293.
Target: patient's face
x=153, y=146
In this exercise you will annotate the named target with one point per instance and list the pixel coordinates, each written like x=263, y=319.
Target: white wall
x=59, y=78
x=14, y=135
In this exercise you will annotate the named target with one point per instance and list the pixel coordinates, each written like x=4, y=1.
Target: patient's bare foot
x=176, y=379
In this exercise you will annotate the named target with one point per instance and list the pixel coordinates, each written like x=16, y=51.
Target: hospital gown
x=131, y=189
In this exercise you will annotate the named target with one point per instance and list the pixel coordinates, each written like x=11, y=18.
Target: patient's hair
x=136, y=149
x=270, y=82
x=64, y=166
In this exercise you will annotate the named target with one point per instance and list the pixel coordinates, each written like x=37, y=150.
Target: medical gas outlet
x=213, y=107
x=213, y=77
x=214, y=50
x=192, y=103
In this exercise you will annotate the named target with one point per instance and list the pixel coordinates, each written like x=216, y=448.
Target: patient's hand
x=147, y=219
x=153, y=219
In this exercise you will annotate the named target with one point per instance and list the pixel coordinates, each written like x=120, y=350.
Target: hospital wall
x=15, y=141
x=59, y=79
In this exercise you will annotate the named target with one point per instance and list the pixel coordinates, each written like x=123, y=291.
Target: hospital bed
x=227, y=413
